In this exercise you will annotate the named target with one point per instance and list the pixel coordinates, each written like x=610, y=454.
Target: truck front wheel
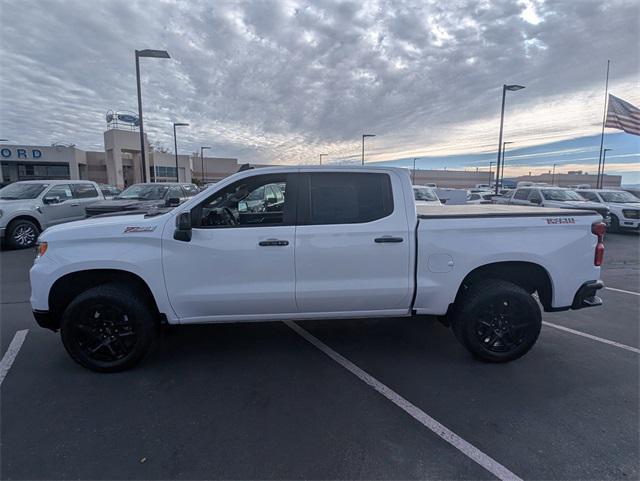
x=497, y=321
x=108, y=328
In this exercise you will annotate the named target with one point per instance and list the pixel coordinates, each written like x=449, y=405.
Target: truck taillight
x=599, y=228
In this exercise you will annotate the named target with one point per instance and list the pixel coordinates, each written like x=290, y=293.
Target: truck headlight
x=631, y=213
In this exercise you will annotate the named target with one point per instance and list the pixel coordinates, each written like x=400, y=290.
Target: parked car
x=190, y=189
x=482, y=197
x=29, y=207
x=556, y=197
x=632, y=191
x=425, y=195
x=347, y=244
x=142, y=197
x=109, y=191
x=451, y=196
x=623, y=206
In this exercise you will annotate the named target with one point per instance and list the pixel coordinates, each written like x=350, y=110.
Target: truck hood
x=105, y=227
x=19, y=204
x=117, y=205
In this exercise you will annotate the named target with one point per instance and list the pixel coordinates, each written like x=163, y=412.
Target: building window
x=38, y=171
x=162, y=172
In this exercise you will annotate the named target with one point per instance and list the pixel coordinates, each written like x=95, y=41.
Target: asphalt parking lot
x=258, y=401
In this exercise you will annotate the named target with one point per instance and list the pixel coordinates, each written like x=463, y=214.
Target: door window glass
x=251, y=202
x=62, y=191
x=592, y=196
x=535, y=197
x=84, y=191
x=521, y=194
x=175, y=192
x=348, y=198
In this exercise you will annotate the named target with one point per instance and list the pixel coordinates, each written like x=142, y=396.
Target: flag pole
x=604, y=118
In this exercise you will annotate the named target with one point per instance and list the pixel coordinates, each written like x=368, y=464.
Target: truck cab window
x=252, y=202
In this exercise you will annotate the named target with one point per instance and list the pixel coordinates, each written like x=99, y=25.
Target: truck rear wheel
x=497, y=321
x=108, y=328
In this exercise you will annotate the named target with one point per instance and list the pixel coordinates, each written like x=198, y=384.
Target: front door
x=239, y=263
x=353, y=244
x=59, y=205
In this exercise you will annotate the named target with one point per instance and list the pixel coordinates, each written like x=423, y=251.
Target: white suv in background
x=425, y=195
x=29, y=207
x=624, y=206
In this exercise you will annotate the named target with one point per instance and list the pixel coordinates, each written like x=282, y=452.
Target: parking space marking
x=419, y=415
x=622, y=290
x=12, y=352
x=591, y=336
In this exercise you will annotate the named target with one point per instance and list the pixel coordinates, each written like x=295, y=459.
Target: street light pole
x=151, y=54
x=321, y=157
x=363, y=137
x=604, y=157
x=553, y=176
x=511, y=88
x=202, y=161
x=413, y=176
x=502, y=168
x=490, y=165
x=175, y=145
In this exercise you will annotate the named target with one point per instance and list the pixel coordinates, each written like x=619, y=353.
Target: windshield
x=21, y=191
x=560, y=195
x=620, y=197
x=424, y=193
x=144, y=192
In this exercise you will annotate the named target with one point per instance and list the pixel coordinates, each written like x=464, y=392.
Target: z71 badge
x=135, y=229
x=561, y=220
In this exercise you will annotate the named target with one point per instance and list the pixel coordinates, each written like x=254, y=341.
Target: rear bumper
x=44, y=319
x=586, y=295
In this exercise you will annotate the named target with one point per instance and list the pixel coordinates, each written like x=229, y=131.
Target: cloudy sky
x=283, y=81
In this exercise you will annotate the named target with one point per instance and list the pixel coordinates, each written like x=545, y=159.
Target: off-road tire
x=497, y=321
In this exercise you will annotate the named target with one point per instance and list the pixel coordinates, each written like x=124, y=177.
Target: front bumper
x=586, y=295
x=629, y=223
x=44, y=319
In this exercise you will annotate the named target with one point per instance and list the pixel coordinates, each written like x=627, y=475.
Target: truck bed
x=493, y=210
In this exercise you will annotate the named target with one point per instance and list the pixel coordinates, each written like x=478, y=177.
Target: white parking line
x=12, y=352
x=423, y=418
x=595, y=338
x=622, y=290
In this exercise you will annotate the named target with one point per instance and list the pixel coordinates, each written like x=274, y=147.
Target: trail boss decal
x=561, y=220
x=136, y=229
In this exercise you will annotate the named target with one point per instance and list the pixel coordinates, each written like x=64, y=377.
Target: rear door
x=352, y=243
x=84, y=194
x=521, y=197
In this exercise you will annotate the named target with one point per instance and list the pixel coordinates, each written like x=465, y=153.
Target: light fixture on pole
x=321, y=157
x=363, y=137
x=604, y=158
x=510, y=88
x=175, y=145
x=502, y=168
x=202, y=161
x=148, y=54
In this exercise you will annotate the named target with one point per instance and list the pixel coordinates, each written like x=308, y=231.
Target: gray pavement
x=256, y=401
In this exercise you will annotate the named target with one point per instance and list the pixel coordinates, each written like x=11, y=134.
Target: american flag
x=622, y=115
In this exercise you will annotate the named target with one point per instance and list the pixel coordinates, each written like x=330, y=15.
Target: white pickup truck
x=323, y=243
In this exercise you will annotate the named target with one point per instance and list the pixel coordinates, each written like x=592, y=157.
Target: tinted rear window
x=349, y=198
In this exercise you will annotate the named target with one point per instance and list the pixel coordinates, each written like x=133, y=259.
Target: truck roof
x=495, y=210
x=52, y=181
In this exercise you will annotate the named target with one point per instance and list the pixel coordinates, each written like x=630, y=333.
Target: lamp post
x=149, y=54
x=321, y=157
x=413, y=174
x=491, y=165
x=202, y=161
x=553, y=175
x=175, y=145
x=502, y=167
x=511, y=88
x=604, y=157
x=363, y=137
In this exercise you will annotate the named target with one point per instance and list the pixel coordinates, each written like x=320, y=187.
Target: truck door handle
x=273, y=242
x=75, y=204
x=388, y=239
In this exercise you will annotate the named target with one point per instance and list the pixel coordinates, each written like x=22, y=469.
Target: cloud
x=282, y=81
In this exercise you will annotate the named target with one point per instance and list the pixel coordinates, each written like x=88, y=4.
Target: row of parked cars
x=619, y=208
x=29, y=207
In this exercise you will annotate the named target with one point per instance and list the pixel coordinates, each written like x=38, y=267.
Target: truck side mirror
x=172, y=202
x=51, y=199
x=183, y=227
